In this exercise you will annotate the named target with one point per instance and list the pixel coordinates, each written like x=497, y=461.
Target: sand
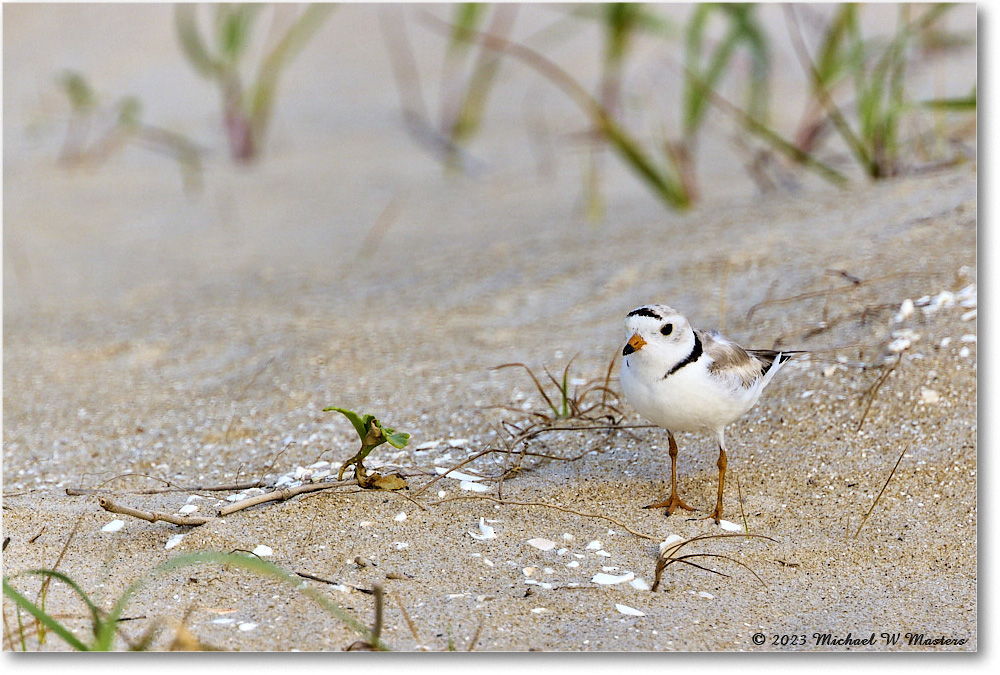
x=195, y=340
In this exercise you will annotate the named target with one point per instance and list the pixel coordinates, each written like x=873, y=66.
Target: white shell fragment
x=609, y=579
x=400, y=517
x=473, y=487
x=670, y=542
x=429, y=445
x=247, y=626
x=113, y=526
x=929, y=395
x=730, y=527
x=188, y=508
x=629, y=611
x=905, y=311
x=968, y=296
x=898, y=345
x=457, y=475
x=542, y=544
x=173, y=541
x=487, y=532
x=594, y=545
x=706, y=595
x=263, y=551
x=639, y=584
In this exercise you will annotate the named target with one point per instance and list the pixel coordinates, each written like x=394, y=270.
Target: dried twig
x=549, y=506
x=151, y=516
x=282, y=495
x=313, y=577
x=230, y=487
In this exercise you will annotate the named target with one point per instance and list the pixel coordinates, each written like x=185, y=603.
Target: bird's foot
x=670, y=504
x=715, y=515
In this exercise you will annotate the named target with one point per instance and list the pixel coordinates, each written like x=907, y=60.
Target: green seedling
x=247, y=108
x=372, y=434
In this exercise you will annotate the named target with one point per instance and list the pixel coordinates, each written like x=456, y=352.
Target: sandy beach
x=159, y=337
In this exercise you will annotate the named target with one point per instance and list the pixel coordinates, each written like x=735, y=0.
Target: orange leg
x=716, y=515
x=673, y=501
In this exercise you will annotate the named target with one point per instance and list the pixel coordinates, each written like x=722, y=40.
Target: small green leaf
x=360, y=424
x=397, y=439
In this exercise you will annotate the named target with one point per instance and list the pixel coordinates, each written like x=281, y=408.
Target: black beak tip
x=628, y=350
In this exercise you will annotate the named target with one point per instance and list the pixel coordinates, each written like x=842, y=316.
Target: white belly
x=688, y=400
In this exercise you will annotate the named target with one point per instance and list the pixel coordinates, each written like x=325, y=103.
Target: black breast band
x=693, y=356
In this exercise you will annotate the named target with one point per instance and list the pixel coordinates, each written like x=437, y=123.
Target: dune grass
x=104, y=624
x=247, y=106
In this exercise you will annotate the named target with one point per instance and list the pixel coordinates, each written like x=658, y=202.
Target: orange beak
x=635, y=343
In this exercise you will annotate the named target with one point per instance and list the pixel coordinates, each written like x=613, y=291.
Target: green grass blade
x=291, y=43
x=256, y=565
x=962, y=103
x=94, y=611
x=43, y=617
x=191, y=42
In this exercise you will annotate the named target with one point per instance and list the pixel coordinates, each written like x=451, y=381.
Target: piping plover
x=685, y=379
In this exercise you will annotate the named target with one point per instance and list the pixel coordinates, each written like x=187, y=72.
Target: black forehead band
x=644, y=311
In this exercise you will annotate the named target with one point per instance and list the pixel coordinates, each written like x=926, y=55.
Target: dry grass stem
x=875, y=503
x=874, y=389
x=669, y=556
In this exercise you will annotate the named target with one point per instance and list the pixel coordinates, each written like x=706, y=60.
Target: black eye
x=667, y=329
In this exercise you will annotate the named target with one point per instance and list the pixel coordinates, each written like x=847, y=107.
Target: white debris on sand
x=611, y=579
x=542, y=544
x=639, y=584
x=670, y=542
x=263, y=551
x=630, y=611
x=486, y=531
x=113, y=526
x=457, y=475
x=929, y=396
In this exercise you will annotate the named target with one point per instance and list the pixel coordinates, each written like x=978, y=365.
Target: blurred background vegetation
x=862, y=119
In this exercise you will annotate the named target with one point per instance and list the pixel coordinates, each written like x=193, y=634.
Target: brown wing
x=731, y=360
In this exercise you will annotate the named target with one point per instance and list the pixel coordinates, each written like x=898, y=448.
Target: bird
x=686, y=379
